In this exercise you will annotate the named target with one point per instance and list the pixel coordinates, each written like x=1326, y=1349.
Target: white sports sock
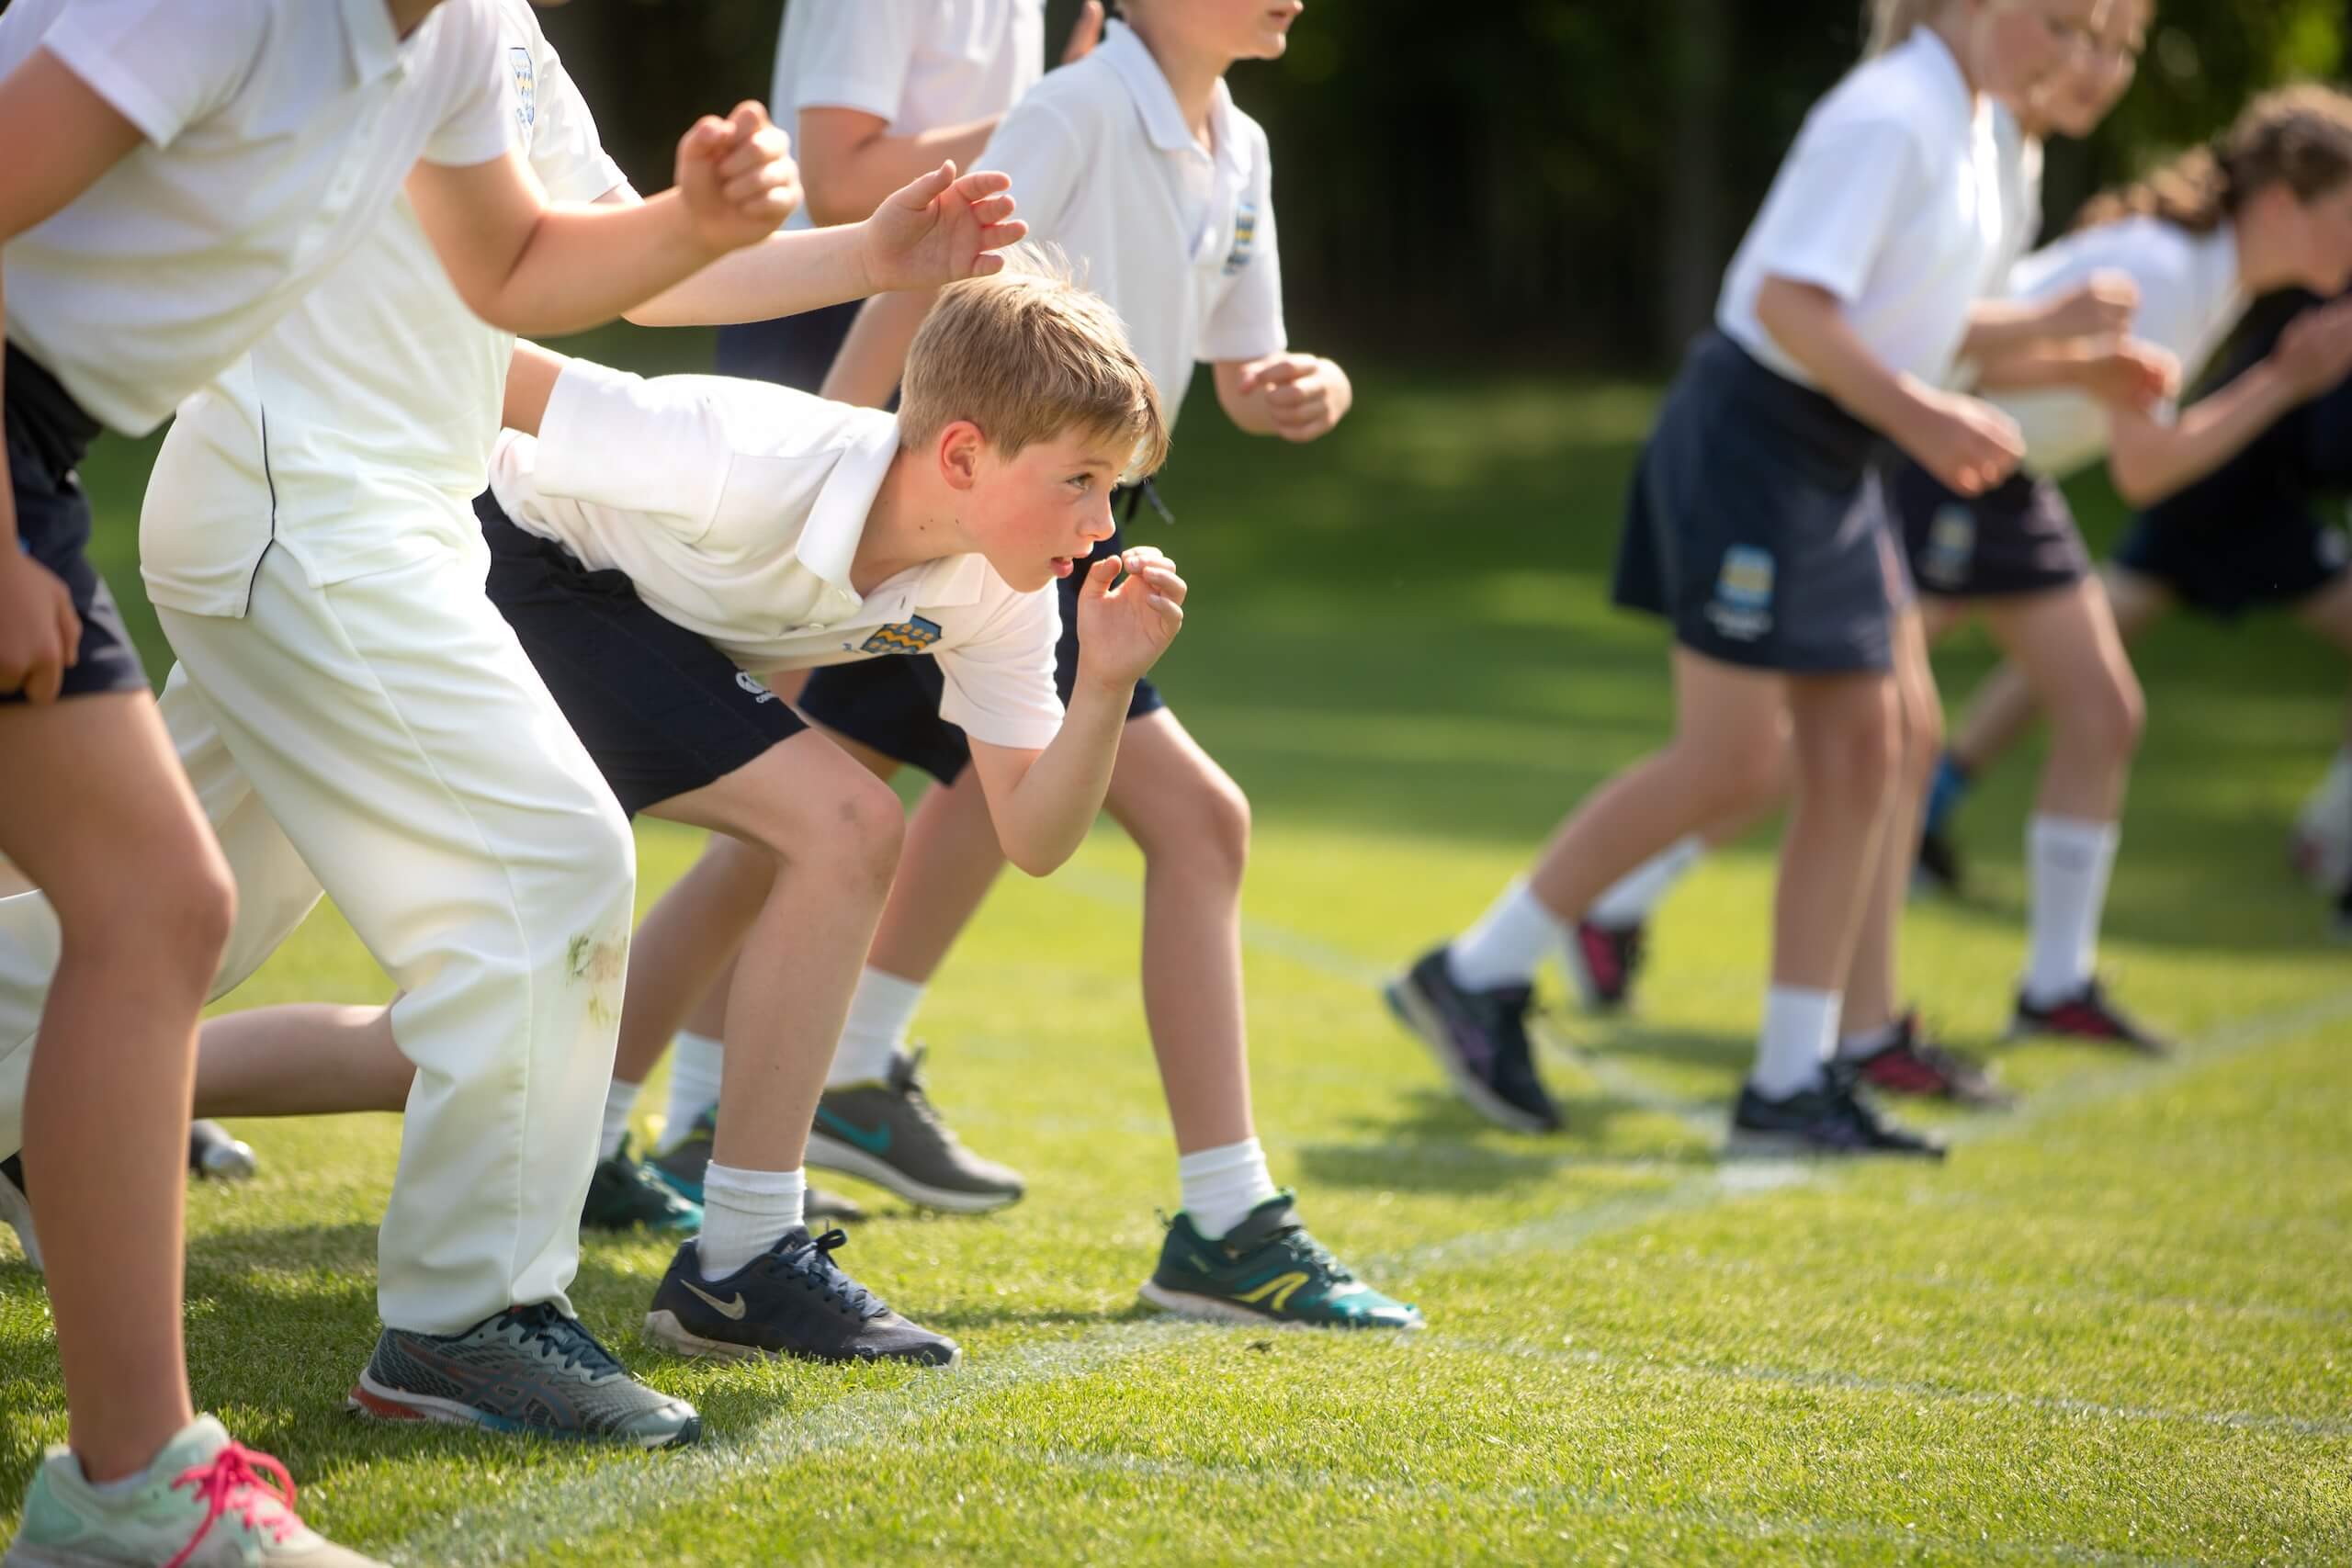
x=1799, y=1029
x=1507, y=943
x=745, y=1212
x=694, y=1061
x=2070, y=861
x=620, y=1101
x=1629, y=900
x=1222, y=1184
x=881, y=1013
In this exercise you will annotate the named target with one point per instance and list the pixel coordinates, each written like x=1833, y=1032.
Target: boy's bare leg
x=951, y=861
x=682, y=958
x=95, y=810
x=300, y=1059
x=1873, y=986
x=1847, y=745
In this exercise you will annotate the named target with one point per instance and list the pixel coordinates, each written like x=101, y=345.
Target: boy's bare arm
x=874, y=356
x=1295, y=396
x=852, y=164
x=531, y=376
x=530, y=268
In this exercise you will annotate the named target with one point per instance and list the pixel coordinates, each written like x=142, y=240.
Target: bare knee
x=2113, y=718
x=169, y=913
x=857, y=840
x=1203, y=827
x=1851, y=752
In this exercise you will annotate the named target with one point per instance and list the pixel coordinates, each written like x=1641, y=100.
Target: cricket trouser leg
x=397, y=734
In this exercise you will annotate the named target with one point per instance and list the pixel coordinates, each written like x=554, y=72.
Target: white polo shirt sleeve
x=1037, y=144
x=1843, y=191
x=849, y=54
x=478, y=124
x=1247, y=323
x=566, y=153
x=997, y=684
x=163, y=65
x=612, y=439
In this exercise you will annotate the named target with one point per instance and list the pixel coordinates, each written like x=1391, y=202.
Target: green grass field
x=2115, y=1328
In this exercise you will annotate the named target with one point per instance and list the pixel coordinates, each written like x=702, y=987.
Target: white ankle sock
x=1629, y=900
x=881, y=1012
x=745, y=1212
x=1799, y=1029
x=620, y=1101
x=2070, y=861
x=1222, y=1184
x=695, y=1061
x=1507, y=943
x=1853, y=1047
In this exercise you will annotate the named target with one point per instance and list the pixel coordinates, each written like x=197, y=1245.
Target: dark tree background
x=1539, y=180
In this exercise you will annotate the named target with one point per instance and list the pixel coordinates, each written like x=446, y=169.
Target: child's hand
x=40, y=637
x=2129, y=374
x=2316, y=350
x=737, y=177
x=940, y=229
x=2104, y=303
x=1122, y=631
x=1967, y=444
x=1305, y=396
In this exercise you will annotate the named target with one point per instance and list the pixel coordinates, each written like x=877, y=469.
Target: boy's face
x=1234, y=29
x=2021, y=45
x=1037, y=513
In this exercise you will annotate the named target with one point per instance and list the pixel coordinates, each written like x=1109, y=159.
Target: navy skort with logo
x=1758, y=522
x=48, y=433
x=2018, y=537
x=661, y=710
x=892, y=704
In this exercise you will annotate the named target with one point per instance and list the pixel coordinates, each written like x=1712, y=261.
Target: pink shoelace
x=246, y=1482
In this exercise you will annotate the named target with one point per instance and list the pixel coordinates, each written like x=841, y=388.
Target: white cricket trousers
x=386, y=738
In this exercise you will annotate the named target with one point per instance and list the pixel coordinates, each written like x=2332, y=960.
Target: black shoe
x=1480, y=1039
x=625, y=1195
x=2087, y=1015
x=792, y=1299
x=1829, y=1119
x=16, y=1208
x=1938, y=867
x=1602, y=961
x=213, y=1152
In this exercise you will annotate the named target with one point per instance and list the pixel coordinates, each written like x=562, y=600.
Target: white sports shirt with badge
x=277, y=132
x=735, y=509
x=356, y=433
x=1179, y=238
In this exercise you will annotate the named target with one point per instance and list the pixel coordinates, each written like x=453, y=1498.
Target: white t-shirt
x=2189, y=299
x=356, y=433
x=736, y=507
x=1178, y=238
x=919, y=64
x=2021, y=159
x=1891, y=200
x=277, y=133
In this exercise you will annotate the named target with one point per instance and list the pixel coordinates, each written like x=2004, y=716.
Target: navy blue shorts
x=661, y=710
x=2018, y=537
x=892, y=704
x=792, y=351
x=48, y=433
x=1758, y=522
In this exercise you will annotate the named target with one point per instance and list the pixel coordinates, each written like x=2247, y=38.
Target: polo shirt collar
x=954, y=582
x=827, y=542
x=1148, y=85
x=369, y=44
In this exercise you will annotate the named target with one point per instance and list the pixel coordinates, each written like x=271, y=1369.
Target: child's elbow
x=2137, y=483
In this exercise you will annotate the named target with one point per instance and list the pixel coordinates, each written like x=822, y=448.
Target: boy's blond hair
x=1028, y=354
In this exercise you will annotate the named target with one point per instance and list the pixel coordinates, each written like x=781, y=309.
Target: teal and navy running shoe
x=1267, y=1270
x=624, y=1195
x=681, y=1165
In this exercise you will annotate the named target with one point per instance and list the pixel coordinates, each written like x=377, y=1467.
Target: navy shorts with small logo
x=1758, y=523
x=47, y=434
x=892, y=704
x=2018, y=537
x=2242, y=538
x=661, y=710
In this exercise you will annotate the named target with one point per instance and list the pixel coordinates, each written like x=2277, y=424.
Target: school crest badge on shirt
x=526, y=87
x=1244, y=238
x=1742, y=609
x=913, y=634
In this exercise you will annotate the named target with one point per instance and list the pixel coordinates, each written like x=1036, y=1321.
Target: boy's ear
x=960, y=448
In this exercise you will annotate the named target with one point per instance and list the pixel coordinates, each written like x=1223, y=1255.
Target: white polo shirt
x=356, y=433
x=736, y=507
x=2189, y=299
x=1179, y=238
x=2021, y=160
x=277, y=133
x=919, y=64
x=1891, y=200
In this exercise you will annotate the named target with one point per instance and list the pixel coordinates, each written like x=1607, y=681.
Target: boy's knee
x=1209, y=829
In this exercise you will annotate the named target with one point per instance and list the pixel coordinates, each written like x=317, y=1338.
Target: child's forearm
x=1810, y=326
x=846, y=172
x=783, y=275
x=2033, y=364
x=531, y=376
x=866, y=370
x=1997, y=328
x=2149, y=460
x=1042, y=818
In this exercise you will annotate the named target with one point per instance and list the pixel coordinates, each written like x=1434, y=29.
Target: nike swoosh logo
x=874, y=1141
x=733, y=1310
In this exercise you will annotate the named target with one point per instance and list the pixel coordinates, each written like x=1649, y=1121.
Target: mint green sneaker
x=207, y=1501
x=1266, y=1269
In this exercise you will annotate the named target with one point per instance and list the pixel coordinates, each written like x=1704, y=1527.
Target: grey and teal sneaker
x=16, y=1207
x=1266, y=1269
x=792, y=1299
x=623, y=1195
x=528, y=1370
x=204, y=1500
x=890, y=1134
x=682, y=1164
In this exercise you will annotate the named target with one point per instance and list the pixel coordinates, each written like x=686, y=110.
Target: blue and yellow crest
x=526, y=87
x=913, y=636
x=1244, y=238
